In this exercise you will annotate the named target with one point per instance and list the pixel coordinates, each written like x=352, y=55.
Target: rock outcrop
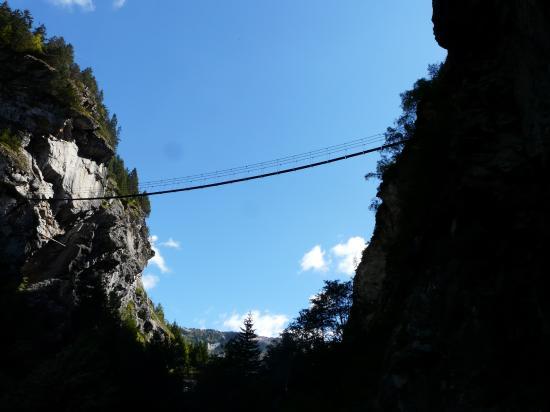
x=58, y=253
x=451, y=308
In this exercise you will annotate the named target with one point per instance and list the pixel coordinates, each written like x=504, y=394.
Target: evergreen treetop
x=242, y=352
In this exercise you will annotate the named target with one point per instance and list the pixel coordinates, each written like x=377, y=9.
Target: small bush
x=10, y=140
x=129, y=321
x=159, y=310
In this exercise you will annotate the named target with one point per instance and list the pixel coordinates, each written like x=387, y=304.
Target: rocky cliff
x=74, y=313
x=451, y=308
x=54, y=252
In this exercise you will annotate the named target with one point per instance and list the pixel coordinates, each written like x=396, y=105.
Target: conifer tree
x=199, y=354
x=242, y=352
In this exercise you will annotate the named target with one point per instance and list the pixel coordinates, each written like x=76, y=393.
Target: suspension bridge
x=254, y=171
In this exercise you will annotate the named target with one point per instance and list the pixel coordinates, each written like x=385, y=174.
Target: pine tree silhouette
x=242, y=352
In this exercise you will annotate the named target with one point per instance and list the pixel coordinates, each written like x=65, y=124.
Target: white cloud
x=86, y=5
x=158, y=259
x=265, y=324
x=349, y=254
x=149, y=281
x=117, y=4
x=314, y=260
x=171, y=243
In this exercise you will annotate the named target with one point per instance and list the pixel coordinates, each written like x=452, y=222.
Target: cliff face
x=451, y=308
x=59, y=256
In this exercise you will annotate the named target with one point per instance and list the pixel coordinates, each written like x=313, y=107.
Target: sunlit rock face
x=62, y=256
x=451, y=308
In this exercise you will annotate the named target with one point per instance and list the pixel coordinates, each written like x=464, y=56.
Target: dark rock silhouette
x=73, y=309
x=451, y=308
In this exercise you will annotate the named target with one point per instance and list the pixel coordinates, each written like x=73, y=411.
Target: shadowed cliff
x=450, y=302
x=79, y=332
x=451, y=308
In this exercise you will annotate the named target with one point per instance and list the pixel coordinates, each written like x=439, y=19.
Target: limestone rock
x=58, y=252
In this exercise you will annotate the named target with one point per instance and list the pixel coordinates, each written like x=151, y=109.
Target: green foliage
x=188, y=357
x=232, y=382
x=242, y=352
x=16, y=31
x=108, y=124
x=325, y=319
x=141, y=292
x=88, y=79
x=127, y=183
x=64, y=85
x=98, y=364
x=159, y=310
x=405, y=126
x=145, y=205
x=113, y=128
x=11, y=143
x=10, y=140
x=308, y=366
x=177, y=353
x=72, y=89
x=68, y=83
x=59, y=54
x=23, y=285
x=198, y=355
x=128, y=316
x=303, y=371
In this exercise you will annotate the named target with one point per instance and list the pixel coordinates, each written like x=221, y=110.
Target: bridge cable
x=228, y=182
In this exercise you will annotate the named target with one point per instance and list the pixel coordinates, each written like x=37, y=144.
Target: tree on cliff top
x=16, y=31
x=68, y=85
x=405, y=125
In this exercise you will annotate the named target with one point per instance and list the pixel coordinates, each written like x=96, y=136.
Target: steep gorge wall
x=451, y=308
x=61, y=256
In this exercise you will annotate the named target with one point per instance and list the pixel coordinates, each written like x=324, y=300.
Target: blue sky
x=207, y=85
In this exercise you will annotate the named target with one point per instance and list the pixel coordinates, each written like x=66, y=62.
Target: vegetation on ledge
x=10, y=140
x=126, y=182
x=74, y=89
x=405, y=126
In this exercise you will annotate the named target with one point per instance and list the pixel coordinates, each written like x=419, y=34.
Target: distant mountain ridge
x=216, y=340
